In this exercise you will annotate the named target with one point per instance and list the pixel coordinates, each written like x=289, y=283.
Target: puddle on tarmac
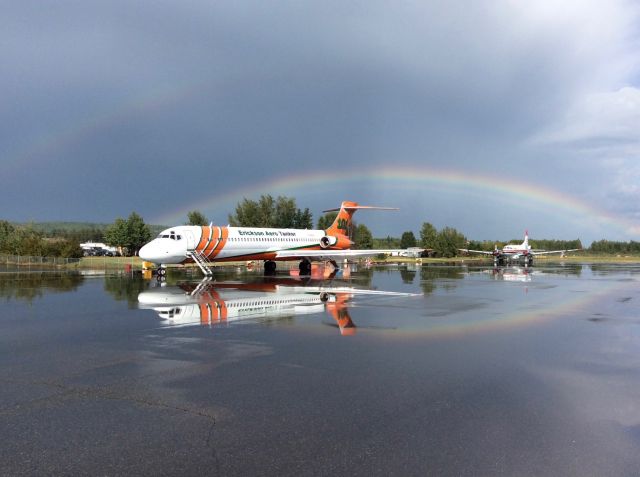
x=404, y=370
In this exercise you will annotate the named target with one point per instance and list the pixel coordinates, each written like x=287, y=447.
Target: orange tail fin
x=343, y=223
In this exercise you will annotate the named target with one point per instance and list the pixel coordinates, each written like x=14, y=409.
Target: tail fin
x=343, y=223
x=525, y=244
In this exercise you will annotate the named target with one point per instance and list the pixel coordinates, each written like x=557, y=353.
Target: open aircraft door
x=191, y=242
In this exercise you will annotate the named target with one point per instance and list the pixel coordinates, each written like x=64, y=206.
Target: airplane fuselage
x=205, y=244
x=172, y=246
x=514, y=252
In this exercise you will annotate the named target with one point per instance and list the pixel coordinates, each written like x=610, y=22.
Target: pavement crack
x=210, y=443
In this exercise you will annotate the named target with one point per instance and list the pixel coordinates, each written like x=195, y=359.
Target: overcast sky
x=157, y=106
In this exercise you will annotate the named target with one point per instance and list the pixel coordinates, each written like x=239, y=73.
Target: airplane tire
x=305, y=267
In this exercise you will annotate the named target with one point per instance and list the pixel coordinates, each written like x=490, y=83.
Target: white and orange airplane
x=206, y=244
x=517, y=253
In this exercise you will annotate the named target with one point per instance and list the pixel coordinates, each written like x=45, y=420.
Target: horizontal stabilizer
x=357, y=207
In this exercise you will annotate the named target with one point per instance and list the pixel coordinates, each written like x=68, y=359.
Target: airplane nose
x=146, y=253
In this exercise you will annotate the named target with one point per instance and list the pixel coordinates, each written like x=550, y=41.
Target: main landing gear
x=269, y=267
x=305, y=267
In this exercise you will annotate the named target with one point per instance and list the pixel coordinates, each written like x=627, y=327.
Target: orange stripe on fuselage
x=212, y=243
x=204, y=238
x=204, y=314
x=223, y=311
x=221, y=243
x=213, y=307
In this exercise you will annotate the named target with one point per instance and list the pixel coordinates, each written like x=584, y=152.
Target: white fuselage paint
x=172, y=245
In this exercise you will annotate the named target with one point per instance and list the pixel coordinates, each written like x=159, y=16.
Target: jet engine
x=332, y=241
x=327, y=241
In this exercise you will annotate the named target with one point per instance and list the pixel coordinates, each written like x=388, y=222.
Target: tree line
x=62, y=239
x=617, y=248
x=26, y=240
x=128, y=235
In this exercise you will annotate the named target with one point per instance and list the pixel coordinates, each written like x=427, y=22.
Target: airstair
x=201, y=260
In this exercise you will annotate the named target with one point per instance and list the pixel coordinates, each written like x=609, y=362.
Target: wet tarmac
x=396, y=370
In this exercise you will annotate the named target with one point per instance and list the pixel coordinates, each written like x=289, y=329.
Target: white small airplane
x=206, y=244
x=517, y=253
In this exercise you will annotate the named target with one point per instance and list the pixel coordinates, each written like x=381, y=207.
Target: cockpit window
x=171, y=236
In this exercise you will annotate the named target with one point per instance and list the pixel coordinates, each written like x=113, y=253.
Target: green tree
x=70, y=249
x=130, y=234
x=428, y=234
x=6, y=231
x=246, y=214
x=362, y=237
x=325, y=221
x=197, y=218
x=269, y=212
x=116, y=234
x=303, y=219
x=139, y=233
x=387, y=242
x=22, y=240
x=408, y=240
x=62, y=248
x=448, y=241
x=284, y=212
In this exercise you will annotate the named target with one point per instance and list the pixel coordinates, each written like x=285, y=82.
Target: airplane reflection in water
x=214, y=303
x=511, y=274
x=507, y=274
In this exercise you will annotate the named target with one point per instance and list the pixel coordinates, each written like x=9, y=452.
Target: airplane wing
x=332, y=254
x=546, y=252
x=476, y=251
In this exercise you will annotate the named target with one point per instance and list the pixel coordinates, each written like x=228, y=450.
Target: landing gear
x=269, y=267
x=305, y=267
x=161, y=274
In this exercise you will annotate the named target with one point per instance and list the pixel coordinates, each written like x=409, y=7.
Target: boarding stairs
x=202, y=287
x=202, y=261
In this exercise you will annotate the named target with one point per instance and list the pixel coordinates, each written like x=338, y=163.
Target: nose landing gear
x=161, y=273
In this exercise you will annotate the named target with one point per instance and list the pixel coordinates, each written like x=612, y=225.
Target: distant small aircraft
x=206, y=244
x=517, y=253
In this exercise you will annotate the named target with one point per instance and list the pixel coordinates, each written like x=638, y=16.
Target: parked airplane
x=205, y=244
x=216, y=303
x=517, y=253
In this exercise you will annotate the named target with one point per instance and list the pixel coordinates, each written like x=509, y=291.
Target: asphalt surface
x=473, y=372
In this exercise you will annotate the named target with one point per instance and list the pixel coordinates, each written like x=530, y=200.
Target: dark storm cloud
x=140, y=103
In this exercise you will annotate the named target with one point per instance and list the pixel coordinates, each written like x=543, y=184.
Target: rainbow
x=473, y=323
x=479, y=323
x=41, y=148
x=404, y=178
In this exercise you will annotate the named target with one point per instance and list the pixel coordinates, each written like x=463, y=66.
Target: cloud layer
x=113, y=107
